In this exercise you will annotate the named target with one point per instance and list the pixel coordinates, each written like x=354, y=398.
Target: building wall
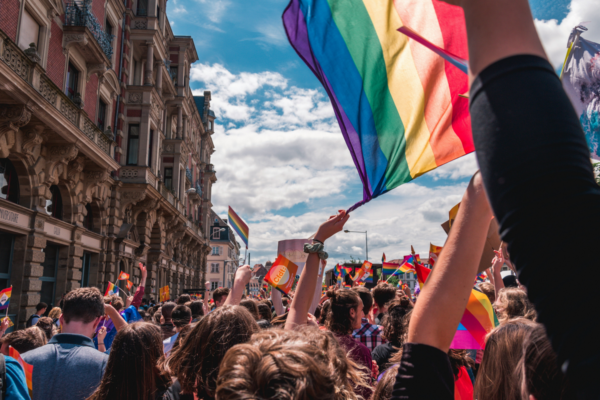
x=9, y=17
x=55, y=67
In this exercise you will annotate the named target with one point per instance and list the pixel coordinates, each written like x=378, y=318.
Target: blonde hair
x=513, y=303
x=281, y=364
x=55, y=313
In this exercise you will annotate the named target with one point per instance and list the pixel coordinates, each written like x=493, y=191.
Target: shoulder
x=37, y=354
x=16, y=385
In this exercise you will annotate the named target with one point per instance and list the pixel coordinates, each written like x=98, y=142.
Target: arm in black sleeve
x=424, y=373
x=538, y=176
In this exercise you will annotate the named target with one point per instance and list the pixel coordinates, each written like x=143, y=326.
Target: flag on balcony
x=5, y=298
x=239, y=226
x=123, y=276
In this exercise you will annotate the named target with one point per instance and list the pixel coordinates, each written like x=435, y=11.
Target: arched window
x=88, y=220
x=54, y=207
x=9, y=181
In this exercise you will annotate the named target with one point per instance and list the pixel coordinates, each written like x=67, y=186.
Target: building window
x=216, y=250
x=48, y=277
x=101, y=115
x=54, y=206
x=216, y=232
x=174, y=71
x=150, y=145
x=85, y=269
x=214, y=285
x=7, y=244
x=142, y=8
x=133, y=144
x=108, y=28
x=88, y=220
x=214, y=268
x=29, y=31
x=169, y=178
x=72, y=81
x=9, y=181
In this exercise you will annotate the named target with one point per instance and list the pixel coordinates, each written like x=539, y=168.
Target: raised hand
x=101, y=334
x=333, y=225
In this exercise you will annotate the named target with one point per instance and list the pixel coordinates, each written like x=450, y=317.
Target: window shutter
x=29, y=31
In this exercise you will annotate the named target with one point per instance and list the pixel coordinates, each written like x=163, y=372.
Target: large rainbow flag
x=239, y=226
x=27, y=369
x=477, y=321
x=396, y=101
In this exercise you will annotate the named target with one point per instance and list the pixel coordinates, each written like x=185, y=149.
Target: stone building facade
x=224, y=258
x=104, y=150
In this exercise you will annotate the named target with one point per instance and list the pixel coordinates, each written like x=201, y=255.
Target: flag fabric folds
x=111, y=289
x=129, y=285
x=422, y=274
x=123, y=276
x=164, y=294
x=434, y=253
x=397, y=102
x=477, y=321
x=282, y=274
x=27, y=369
x=5, y=298
x=364, y=269
x=239, y=226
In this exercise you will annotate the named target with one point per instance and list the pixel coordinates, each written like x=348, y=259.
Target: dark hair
x=383, y=293
x=46, y=324
x=252, y=306
x=167, y=309
x=325, y=307
x=196, y=362
x=338, y=318
x=181, y=316
x=26, y=339
x=114, y=300
x=510, y=281
x=144, y=301
x=383, y=390
x=41, y=306
x=459, y=358
x=264, y=311
x=366, y=297
x=280, y=320
x=393, y=324
x=219, y=293
x=184, y=298
x=132, y=371
x=197, y=309
x=83, y=304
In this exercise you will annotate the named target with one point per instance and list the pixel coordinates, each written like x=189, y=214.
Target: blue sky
x=280, y=158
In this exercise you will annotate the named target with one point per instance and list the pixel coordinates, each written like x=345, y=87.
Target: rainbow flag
x=389, y=268
x=481, y=277
x=5, y=298
x=282, y=274
x=239, y=226
x=422, y=274
x=359, y=273
x=27, y=368
x=369, y=277
x=434, y=253
x=347, y=286
x=111, y=289
x=397, y=102
x=383, y=258
x=477, y=321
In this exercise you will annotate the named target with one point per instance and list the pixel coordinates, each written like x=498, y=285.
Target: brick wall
x=98, y=10
x=56, y=59
x=91, y=97
x=9, y=17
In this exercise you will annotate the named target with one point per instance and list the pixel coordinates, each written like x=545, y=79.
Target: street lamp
x=366, y=242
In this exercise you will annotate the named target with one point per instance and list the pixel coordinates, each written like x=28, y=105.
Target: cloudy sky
x=280, y=158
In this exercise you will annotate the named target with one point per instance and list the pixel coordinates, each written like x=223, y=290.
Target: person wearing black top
x=394, y=329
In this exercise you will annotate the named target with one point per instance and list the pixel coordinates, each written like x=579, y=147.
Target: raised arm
x=242, y=277
x=139, y=293
x=115, y=317
x=305, y=289
x=277, y=302
x=497, y=264
x=205, y=306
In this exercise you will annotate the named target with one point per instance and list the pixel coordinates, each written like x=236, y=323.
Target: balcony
x=196, y=195
x=80, y=20
x=188, y=175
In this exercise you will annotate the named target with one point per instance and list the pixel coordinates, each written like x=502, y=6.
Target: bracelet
x=316, y=248
x=318, y=241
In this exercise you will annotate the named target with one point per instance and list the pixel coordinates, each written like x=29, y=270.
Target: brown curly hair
x=513, y=303
x=394, y=327
x=383, y=293
x=196, y=361
x=283, y=364
x=338, y=318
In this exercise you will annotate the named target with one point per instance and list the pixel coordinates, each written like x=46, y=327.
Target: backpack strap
x=2, y=377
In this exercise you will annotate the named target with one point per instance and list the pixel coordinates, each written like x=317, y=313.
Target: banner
x=282, y=274
x=164, y=294
x=293, y=250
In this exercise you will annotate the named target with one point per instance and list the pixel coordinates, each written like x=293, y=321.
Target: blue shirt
x=68, y=368
x=16, y=385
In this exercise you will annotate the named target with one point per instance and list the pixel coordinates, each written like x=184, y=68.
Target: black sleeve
x=538, y=176
x=424, y=373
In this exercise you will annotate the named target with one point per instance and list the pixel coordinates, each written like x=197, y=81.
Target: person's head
x=196, y=362
x=144, y=302
x=541, y=377
x=383, y=293
x=496, y=379
x=510, y=281
x=184, y=298
x=394, y=326
x=132, y=371
x=366, y=297
x=286, y=302
x=40, y=309
x=280, y=320
x=114, y=300
x=55, y=313
x=83, y=309
x=252, y=306
x=284, y=364
x=156, y=318
x=23, y=340
x=166, y=310
x=325, y=307
x=220, y=295
x=488, y=289
x=197, y=309
x=181, y=316
x=346, y=312
x=383, y=390
x=46, y=324
x=264, y=311
x=513, y=303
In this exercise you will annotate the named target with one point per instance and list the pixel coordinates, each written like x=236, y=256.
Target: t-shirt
x=16, y=385
x=382, y=354
x=68, y=368
x=168, y=343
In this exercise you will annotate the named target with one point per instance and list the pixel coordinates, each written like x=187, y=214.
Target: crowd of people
x=536, y=179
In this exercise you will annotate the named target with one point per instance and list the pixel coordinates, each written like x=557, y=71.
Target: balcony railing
x=188, y=174
x=80, y=14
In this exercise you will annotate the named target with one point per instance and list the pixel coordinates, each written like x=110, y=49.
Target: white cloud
x=214, y=9
x=554, y=35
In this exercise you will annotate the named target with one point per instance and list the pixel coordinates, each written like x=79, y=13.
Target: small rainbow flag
x=123, y=276
x=5, y=298
x=389, y=268
x=434, y=253
x=111, y=289
x=481, y=277
x=383, y=258
x=282, y=274
x=359, y=273
x=129, y=284
x=239, y=226
x=477, y=321
x=347, y=286
x=369, y=277
x=422, y=274
x=27, y=368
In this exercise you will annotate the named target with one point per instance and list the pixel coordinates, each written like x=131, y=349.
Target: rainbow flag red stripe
x=239, y=226
x=27, y=369
x=422, y=274
x=477, y=321
x=5, y=296
x=111, y=289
